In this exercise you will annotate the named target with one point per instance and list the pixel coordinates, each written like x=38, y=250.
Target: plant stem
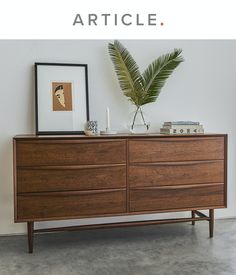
x=132, y=126
x=143, y=117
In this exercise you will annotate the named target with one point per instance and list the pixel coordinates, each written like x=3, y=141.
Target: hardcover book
x=182, y=131
x=181, y=122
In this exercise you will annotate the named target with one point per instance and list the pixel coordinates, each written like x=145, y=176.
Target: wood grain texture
x=176, y=173
x=40, y=179
x=211, y=223
x=76, y=138
x=40, y=168
x=176, y=149
x=169, y=197
x=226, y=169
x=15, y=182
x=70, y=153
x=30, y=233
x=120, y=224
x=42, y=206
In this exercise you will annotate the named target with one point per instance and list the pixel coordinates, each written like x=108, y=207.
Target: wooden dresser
x=71, y=177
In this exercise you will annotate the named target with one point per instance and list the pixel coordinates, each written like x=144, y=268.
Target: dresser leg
x=193, y=216
x=211, y=222
x=30, y=229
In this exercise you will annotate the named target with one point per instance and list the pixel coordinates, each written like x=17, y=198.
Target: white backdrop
x=203, y=88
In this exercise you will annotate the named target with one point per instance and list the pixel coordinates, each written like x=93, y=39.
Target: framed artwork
x=62, y=104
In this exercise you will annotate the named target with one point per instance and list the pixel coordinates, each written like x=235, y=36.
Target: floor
x=162, y=249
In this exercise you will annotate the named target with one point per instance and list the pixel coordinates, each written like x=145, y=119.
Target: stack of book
x=182, y=127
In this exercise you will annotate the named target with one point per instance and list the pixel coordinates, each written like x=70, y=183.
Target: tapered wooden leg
x=30, y=229
x=193, y=216
x=211, y=223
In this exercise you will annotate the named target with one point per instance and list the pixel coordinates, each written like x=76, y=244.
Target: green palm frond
x=127, y=71
x=145, y=88
x=155, y=76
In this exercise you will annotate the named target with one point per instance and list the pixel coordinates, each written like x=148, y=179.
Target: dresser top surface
x=151, y=135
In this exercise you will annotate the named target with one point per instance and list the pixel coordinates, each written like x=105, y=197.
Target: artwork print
x=61, y=96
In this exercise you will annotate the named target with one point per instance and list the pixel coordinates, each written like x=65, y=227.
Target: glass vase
x=138, y=122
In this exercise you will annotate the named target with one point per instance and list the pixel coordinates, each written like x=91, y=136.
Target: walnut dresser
x=72, y=177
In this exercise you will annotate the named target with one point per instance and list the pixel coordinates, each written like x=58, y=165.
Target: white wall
x=203, y=88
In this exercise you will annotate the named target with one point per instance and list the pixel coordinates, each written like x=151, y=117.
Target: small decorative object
x=61, y=98
x=143, y=88
x=88, y=132
x=108, y=130
x=91, y=128
x=182, y=127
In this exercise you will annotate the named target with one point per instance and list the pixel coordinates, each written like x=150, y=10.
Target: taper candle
x=108, y=118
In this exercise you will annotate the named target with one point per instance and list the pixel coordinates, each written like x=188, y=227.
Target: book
x=181, y=122
x=182, y=131
x=178, y=126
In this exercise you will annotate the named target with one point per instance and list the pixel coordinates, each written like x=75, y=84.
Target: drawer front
x=178, y=173
x=176, y=149
x=181, y=197
x=68, y=179
x=59, y=205
x=70, y=152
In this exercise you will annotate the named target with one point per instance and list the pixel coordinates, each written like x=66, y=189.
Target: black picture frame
x=39, y=68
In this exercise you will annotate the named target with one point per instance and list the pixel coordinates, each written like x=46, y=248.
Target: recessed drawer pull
x=186, y=140
x=70, y=167
x=69, y=193
x=63, y=141
x=187, y=186
x=175, y=163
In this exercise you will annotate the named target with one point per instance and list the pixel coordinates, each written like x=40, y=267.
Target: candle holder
x=108, y=132
x=91, y=128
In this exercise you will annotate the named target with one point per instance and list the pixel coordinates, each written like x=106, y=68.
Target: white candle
x=108, y=118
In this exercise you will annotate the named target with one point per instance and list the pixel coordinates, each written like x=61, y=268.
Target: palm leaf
x=127, y=71
x=156, y=74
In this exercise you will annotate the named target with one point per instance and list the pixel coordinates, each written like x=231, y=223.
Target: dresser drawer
x=68, y=178
x=65, y=205
x=176, y=173
x=69, y=152
x=176, y=149
x=178, y=197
